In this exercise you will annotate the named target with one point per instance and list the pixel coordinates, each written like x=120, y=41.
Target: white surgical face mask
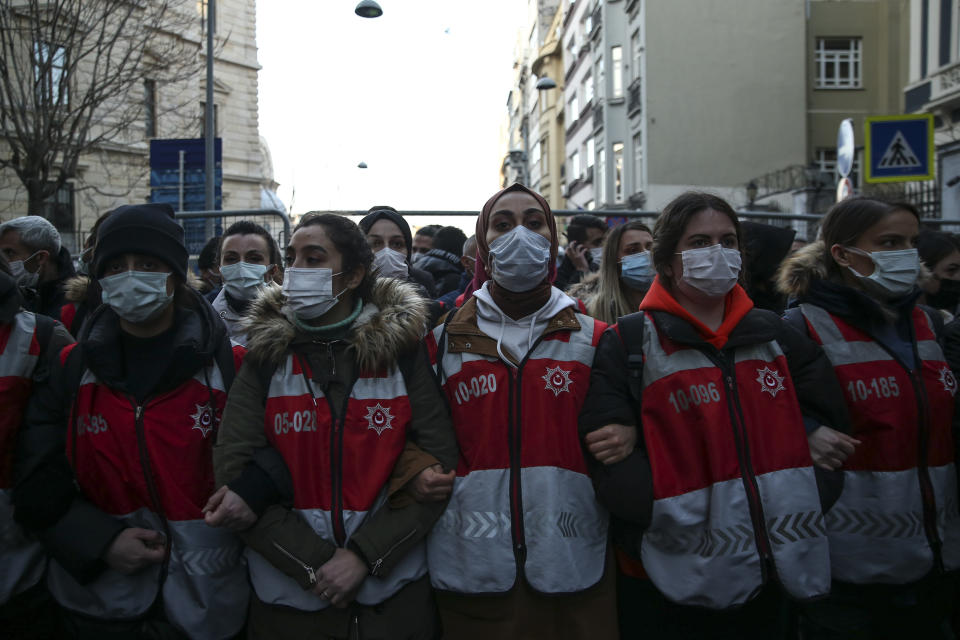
x=309, y=292
x=895, y=272
x=596, y=255
x=520, y=259
x=391, y=263
x=243, y=280
x=136, y=296
x=636, y=270
x=711, y=270
x=23, y=277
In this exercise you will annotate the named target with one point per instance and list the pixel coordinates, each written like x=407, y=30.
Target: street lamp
x=751, y=193
x=545, y=83
x=362, y=165
x=368, y=9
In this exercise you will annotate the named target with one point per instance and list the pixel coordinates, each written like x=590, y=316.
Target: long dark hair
x=349, y=241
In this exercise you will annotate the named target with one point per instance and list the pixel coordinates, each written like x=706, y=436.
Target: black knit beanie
x=150, y=229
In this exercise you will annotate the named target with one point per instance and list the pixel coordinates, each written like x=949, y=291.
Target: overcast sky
x=419, y=94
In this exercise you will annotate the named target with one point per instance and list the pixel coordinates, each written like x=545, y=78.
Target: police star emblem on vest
x=948, y=380
x=770, y=381
x=379, y=418
x=557, y=380
x=204, y=419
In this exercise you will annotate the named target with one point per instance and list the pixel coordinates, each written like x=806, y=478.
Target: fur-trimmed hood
x=799, y=270
x=75, y=288
x=392, y=322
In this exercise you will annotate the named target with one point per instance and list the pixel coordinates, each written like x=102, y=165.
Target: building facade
x=933, y=86
x=117, y=172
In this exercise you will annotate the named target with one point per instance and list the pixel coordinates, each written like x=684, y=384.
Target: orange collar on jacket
x=736, y=305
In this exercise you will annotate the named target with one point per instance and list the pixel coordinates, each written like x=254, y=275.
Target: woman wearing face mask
x=895, y=532
x=626, y=272
x=389, y=237
x=248, y=262
x=336, y=382
x=940, y=254
x=521, y=548
x=115, y=459
x=718, y=496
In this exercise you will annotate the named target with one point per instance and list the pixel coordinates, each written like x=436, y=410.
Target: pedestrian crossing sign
x=899, y=148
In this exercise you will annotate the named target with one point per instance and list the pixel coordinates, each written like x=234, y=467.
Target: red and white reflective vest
x=340, y=469
x=21, y=560
x=897, y=516
x=151, y=466
x=523, y=505
x=734, y=488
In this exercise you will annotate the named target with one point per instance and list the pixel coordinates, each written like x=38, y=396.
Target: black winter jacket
x=445, y=268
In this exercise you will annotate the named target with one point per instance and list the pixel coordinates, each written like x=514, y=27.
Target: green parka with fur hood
x=390, y=327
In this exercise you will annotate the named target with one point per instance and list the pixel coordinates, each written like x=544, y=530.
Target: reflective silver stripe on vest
x=470, y=550
x=273, y=586
x=944, y=480
x=286, y=384
x=700, y=548
x=205, y=592
x=876, y=527
x=21, y=559
x=16, y=359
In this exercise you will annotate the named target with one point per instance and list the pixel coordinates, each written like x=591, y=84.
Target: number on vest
x=478, y=386
x=696, y=395
x=301, y=421
x=860, y=390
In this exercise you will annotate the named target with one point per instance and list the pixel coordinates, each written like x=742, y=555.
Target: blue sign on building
x=173, y=183
x=899, y=148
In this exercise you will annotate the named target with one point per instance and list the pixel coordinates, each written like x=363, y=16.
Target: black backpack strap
x=631, y=329
x=44, y=333
x=226, y=363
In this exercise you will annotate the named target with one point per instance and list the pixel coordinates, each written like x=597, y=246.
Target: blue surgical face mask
x=243, y=280
x=136, y=296
x=895, y=272
x=636, y=270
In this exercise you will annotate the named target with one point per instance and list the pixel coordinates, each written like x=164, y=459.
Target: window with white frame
x=50, y=73
x=589, y=154
x=601, y=90
x=839, y=63
x=574, y=166
x=573, y=107
x=535, y=157
x=638, y=162
x=616, y=66
x=589, y=206
x=635, y=53
x=618, y=172
x=587, y=90
x=588, y=23
x=544, y=156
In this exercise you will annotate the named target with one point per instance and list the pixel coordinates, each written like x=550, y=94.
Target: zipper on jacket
x=336, y=453
x=311, y=573
x=515, y=434
x=747, y=474
x=151, y=484
x=376, y=565
x=923, y=471
x=923, y=440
